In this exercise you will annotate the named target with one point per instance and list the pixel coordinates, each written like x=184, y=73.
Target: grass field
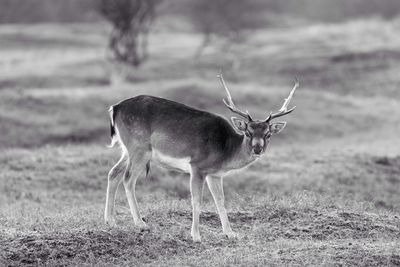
x=327, y=193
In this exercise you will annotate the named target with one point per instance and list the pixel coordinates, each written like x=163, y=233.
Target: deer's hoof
x=142, y=225
x=196, y=238
x=232, y=236
x=111, y=222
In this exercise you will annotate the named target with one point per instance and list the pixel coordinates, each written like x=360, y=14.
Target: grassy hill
x=327, y=193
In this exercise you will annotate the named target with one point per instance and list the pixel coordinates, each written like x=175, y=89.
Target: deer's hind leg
x=114, y=179
x=137, y=164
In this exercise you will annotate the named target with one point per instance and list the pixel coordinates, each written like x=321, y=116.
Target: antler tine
x=283, y=110
x=230, y=103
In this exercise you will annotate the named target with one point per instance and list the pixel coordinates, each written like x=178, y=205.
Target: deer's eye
x=247, y=133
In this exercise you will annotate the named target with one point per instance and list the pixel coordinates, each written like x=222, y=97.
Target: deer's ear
x=276, y=127
x=239, y=124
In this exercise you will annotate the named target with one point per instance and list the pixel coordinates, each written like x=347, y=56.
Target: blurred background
x=64, y=62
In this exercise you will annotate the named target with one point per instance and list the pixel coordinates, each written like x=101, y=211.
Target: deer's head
x=257, y=133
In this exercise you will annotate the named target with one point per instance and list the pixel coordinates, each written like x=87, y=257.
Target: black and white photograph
x=199, y=133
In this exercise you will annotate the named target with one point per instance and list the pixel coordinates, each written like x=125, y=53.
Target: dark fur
x=112, y=129
x=112, y=121
x=147, y=168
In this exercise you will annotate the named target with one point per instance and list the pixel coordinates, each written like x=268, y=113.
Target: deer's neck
x=240, y=155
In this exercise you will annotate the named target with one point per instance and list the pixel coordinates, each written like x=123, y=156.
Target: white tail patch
x=114, y=140
x=111, y=112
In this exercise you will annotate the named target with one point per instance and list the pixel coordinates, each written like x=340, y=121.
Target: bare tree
x=131, y=21
x=229, y=19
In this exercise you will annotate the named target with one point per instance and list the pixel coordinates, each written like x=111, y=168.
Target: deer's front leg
x=196, y=189
x=217, y=191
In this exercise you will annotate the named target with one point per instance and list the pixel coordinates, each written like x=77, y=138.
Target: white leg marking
x=114, y=178
x=136, y=168
x=196, y=189
x=216, y=189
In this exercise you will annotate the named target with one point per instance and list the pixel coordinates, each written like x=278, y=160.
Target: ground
x=326, y=193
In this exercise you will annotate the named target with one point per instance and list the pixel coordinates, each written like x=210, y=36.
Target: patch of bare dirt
x=116, y=246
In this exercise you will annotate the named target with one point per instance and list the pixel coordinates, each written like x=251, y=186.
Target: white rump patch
x=164, y=160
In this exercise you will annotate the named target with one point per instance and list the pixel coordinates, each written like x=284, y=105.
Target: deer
x=151, y=129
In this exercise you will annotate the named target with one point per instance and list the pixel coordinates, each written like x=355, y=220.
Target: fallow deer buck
x=200, y=143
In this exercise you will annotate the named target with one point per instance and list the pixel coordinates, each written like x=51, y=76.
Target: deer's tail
x=114, y=138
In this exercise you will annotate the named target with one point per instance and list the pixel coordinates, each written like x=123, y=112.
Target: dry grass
x=327, y=193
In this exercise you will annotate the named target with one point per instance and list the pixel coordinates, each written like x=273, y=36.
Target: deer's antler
x=283, y=110
x=230, y=103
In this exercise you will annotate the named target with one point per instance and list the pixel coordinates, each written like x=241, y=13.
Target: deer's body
x=194, y=137
x=173, y=135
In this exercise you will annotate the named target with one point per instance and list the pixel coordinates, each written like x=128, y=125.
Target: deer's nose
x=257, y=149
x=258, y=146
